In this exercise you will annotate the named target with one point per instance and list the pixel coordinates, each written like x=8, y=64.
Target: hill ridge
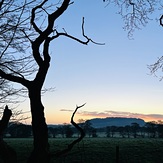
x=115, y=121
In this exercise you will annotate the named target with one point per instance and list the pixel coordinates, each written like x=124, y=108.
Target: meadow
x=97, y=150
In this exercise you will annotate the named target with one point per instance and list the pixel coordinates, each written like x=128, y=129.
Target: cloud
x=66, y=110
x=107, y=113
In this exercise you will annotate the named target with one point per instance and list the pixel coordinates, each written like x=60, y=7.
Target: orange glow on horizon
x=60, y=117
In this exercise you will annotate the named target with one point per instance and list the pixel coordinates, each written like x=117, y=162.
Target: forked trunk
x=40, y=153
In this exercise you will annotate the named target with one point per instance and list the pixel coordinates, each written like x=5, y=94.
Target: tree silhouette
x=22, y=32
x=6, y=152
x=135, y=128
x=151, y=129
x=137, y=14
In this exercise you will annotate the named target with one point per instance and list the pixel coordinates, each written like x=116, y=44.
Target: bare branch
x=88, y=39
x=14, y=78
x=161, y=20
x=157, y=68
x=135, y=13
x=33, y=16
x=82, y=134
x=75, y=38
x=1, y=3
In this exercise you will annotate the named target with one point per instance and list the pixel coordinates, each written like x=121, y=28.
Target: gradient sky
x=113, y=79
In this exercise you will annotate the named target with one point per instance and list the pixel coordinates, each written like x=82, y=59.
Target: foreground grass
x=98, y=150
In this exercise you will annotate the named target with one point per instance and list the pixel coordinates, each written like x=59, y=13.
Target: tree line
x=151, y=129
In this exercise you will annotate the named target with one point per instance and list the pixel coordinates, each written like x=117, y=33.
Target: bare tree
x=137, y=14
x=29, y=68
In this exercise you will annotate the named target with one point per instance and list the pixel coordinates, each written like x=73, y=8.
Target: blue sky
x=112, y=79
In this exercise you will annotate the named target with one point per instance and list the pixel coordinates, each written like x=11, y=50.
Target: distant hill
x=116, y=121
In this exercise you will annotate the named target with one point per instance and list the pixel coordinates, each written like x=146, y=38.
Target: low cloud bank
x=109, y=113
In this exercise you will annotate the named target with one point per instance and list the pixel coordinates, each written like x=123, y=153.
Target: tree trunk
x=8, y=155
x=40, y=153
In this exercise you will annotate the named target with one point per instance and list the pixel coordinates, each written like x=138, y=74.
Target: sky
x=112, y=79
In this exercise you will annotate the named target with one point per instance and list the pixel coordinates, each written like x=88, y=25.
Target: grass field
x=98, y=150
